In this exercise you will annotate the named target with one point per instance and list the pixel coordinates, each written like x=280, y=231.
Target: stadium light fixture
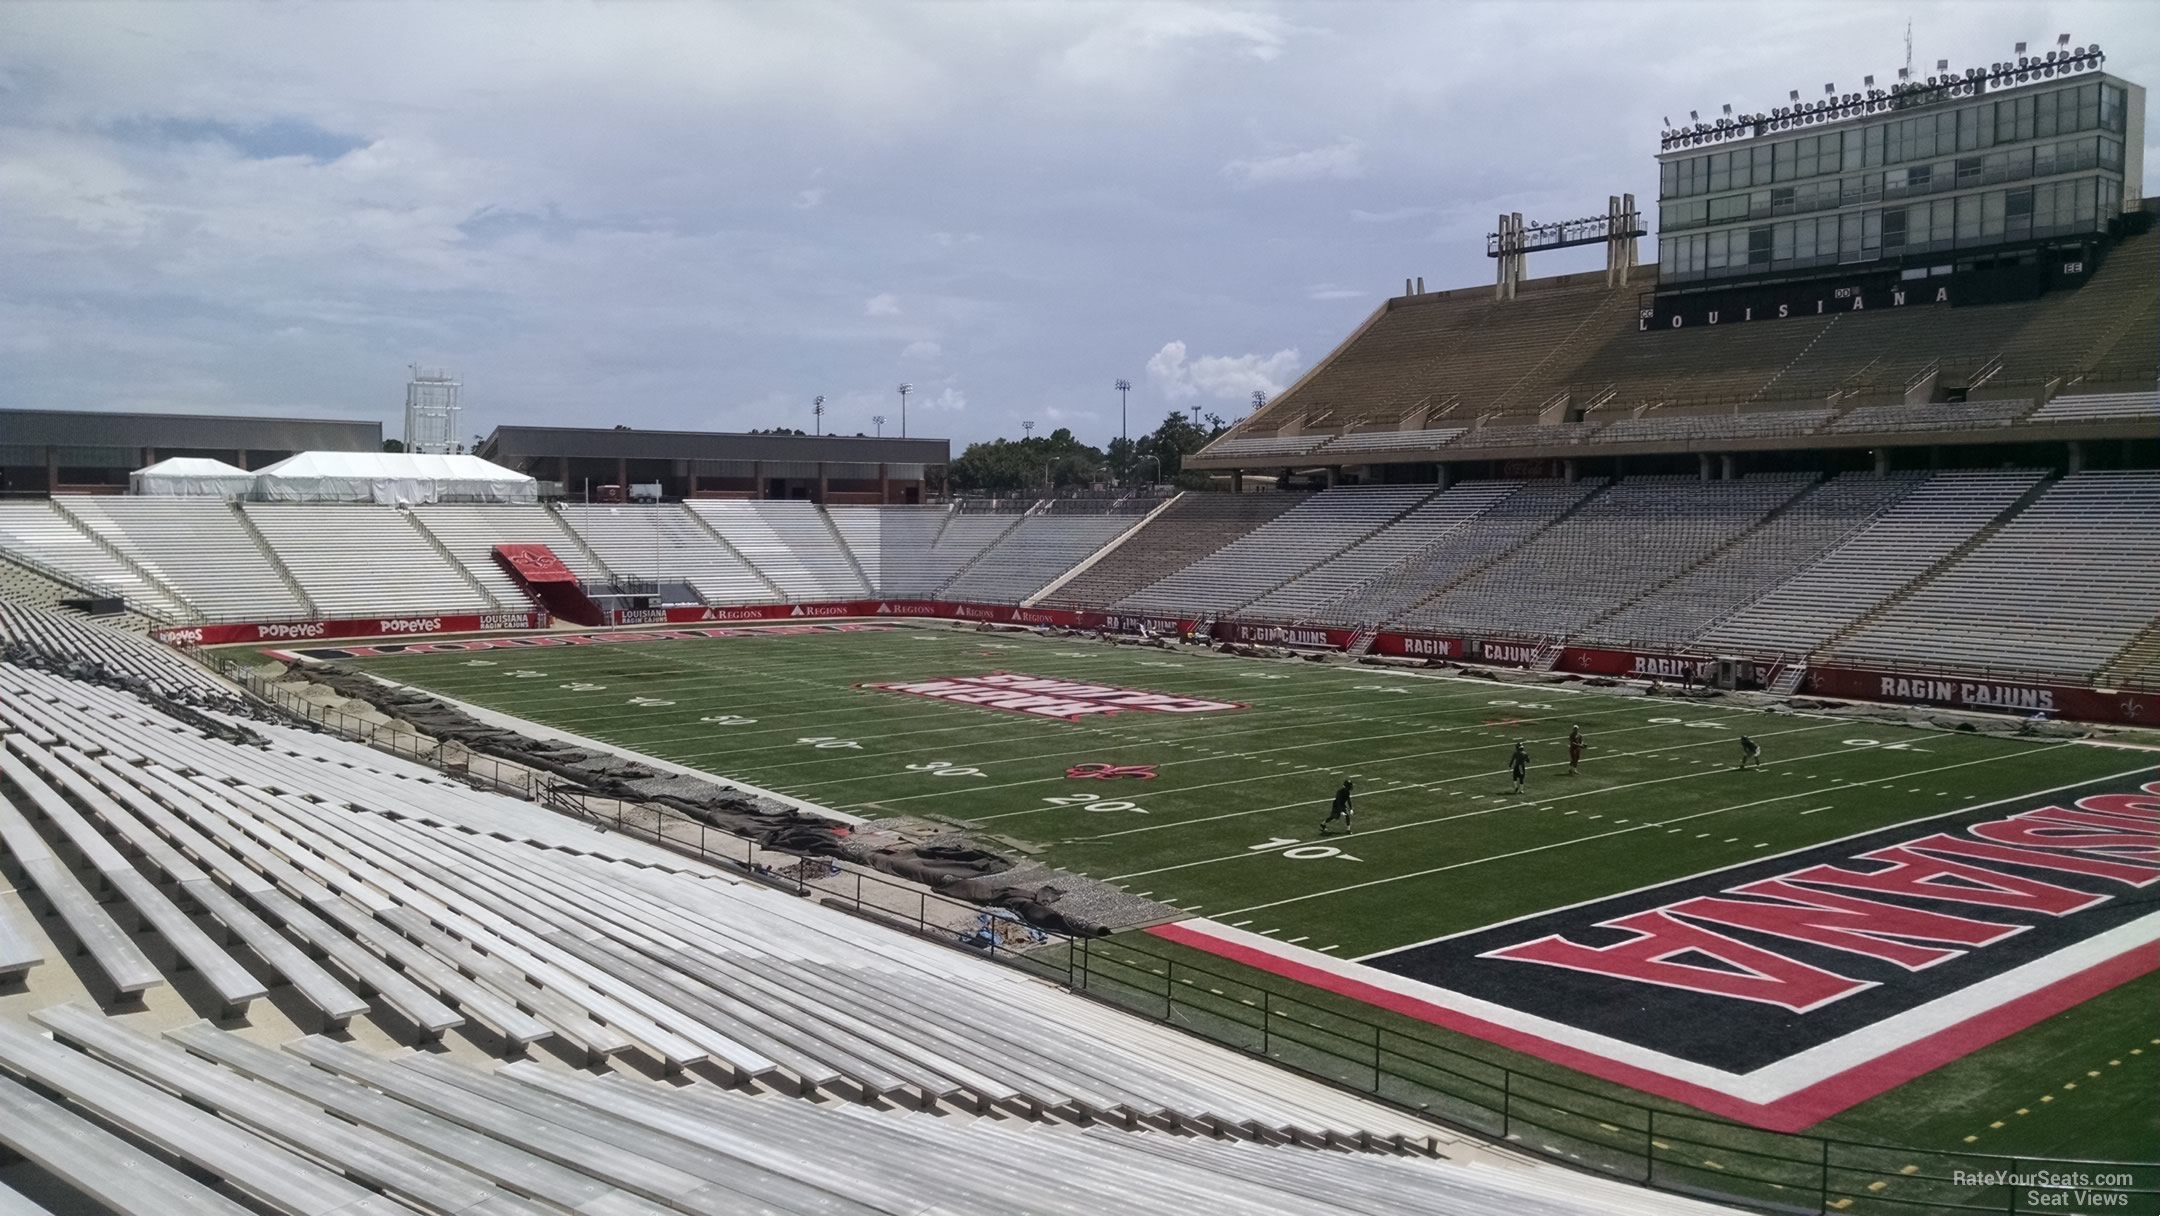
x=878, y=421
x=905, y=389
x=1123, y=386
x=1027, y=429
x=817, y=412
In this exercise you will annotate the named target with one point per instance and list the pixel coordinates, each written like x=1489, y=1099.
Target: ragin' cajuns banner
x=996, y=614
x=353, y=627
x=1995, y=696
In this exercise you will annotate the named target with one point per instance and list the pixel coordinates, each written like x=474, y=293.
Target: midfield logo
x=1067, y=700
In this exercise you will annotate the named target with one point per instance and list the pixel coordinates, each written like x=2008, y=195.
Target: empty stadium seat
x=1277, y=551
x=365, y=560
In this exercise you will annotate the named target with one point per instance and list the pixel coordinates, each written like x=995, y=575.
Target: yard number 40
x=1302, y=852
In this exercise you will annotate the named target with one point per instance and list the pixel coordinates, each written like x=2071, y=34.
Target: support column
x=1567, y=470
x=1447, y=476
x=149, y=457
x=1732, y=466
x=562, y=473
x=52, y=468
x=242, y=460
x=2077, y=456
x=1237, y=481
x=1934, y=457
x=1702, y=466
x=622, y=476
x=884, y=485
x=821, y=493
x=757, y=479
x=1882, y=462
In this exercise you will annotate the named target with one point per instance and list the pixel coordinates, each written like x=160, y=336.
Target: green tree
x=393, y=445
x=1166, y=447
x=1006, y=466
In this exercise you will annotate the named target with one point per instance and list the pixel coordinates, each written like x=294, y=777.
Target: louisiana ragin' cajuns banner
x=1785, y=990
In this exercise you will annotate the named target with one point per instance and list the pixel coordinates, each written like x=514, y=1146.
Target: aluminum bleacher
x=789, y=543
x=1482, y=540
x=1278, y=550
x=364, y=560
x=664, y=541
x=44, y=535
x=63, y=639
x=1691, y=427
x=469, y=532
x=1828, y=595
x=1190, y=528
x=2057, y=591
x=1572, y=573
x=1427, y=526
x=1932, y=416
x=1037, y=550
x=1673, y=613
x=2099, y=407
x=1363, y=442
x=198, y=547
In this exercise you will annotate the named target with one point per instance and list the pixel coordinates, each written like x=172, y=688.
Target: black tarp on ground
x=962, y=871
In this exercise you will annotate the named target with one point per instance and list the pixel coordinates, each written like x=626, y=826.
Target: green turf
x=1441, y=844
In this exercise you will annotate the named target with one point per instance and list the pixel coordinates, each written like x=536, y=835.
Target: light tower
x=1027, y=429
x=878, y=421
x=905, y=389
x=431, y=412
x=817, y=413
x=1123, y=386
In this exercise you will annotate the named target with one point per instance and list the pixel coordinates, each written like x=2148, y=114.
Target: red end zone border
x=1795, y=1111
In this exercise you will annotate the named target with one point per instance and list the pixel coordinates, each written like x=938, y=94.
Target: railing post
x=1649, y=1147
x=1169, y=988
x=1824, y=1205
x=1266, y=1007
x=1376, y=1058
x=1507, y=1104
x=2010, y=1204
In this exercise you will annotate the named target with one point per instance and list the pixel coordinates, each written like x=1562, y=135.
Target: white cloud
x=1145, y=41
x=947, y=400
x=813, y=197
x=1223, y=377
x=883, y=304
x=921, y=349
x=1329, y=291
x=1394, y=215
x=1345, y=158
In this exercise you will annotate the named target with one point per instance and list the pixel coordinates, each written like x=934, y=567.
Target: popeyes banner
x=355, y=627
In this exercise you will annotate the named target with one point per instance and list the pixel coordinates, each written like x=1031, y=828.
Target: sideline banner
x=1996, y=696
x=356, y=627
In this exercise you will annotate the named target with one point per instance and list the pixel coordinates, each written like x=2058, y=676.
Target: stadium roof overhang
x=515, y=444
x=2023, y=433
x=103, y=429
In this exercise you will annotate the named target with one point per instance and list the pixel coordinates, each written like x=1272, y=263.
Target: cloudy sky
x=704, y=215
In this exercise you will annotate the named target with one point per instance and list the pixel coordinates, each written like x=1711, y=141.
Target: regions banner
x=358, y=627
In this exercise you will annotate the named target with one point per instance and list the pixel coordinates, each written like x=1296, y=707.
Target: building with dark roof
x=713, y=464
x=93, y=451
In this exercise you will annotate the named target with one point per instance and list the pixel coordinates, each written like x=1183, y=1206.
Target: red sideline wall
x=358, y=627
x=2056, y=700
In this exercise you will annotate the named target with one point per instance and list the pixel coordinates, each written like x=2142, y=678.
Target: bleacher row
x=301, y=976
x=1777, y=564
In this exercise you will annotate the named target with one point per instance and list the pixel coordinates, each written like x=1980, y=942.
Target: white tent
x=192, y=477
x=391, y=478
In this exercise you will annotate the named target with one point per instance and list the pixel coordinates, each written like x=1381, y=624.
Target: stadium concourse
x=249, y=967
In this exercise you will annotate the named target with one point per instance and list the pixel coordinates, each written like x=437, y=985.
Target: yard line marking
x=1311, y=802
x=1824, y=807
x=1563, y=844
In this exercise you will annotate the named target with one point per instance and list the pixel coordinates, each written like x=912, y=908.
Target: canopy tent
x=391, y=478
x=192, y=477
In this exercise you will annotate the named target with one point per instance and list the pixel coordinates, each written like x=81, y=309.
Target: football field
x=1591, y=922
